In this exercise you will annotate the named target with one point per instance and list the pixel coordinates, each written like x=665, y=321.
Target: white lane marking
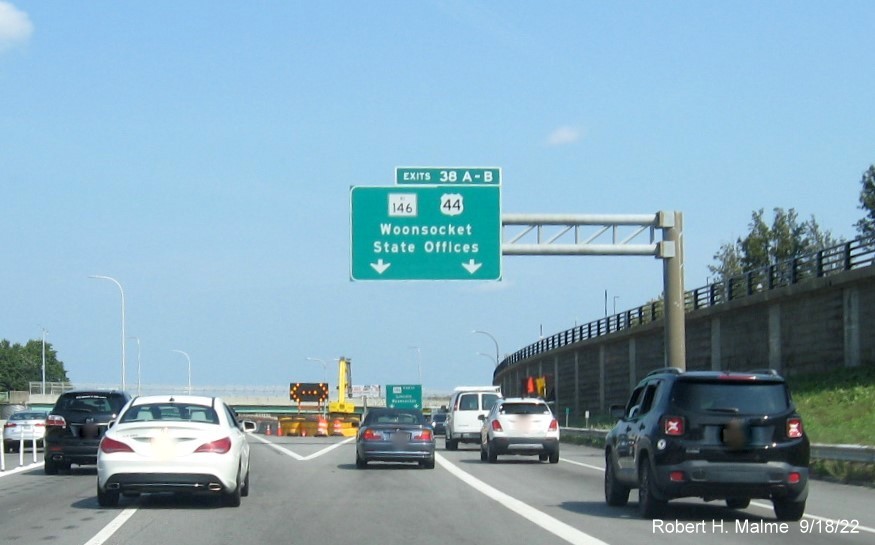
x=111, y=528
x=581, y=464
x=766, y=506
x=545, y=521
x=297, y=456
x=20, y=469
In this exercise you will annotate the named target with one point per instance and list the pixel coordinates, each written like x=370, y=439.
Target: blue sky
x=201, y=153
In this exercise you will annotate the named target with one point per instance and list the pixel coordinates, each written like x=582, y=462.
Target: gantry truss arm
x=586, y=234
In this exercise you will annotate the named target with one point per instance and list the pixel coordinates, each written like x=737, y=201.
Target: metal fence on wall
x=855, y=254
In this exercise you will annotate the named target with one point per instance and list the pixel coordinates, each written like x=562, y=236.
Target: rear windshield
x=731, y=397
x=489, y=400
x=28, y=416
x=439, y=417
x=91, y=403
x=393, y=416
x=171, y=412
x=524, y=408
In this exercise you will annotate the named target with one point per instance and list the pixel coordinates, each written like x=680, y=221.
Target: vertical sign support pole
x=672, y=254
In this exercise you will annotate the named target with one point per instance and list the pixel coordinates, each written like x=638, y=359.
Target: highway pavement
x=307, y=490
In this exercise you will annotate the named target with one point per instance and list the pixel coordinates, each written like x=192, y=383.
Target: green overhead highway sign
x=425, y=233
x=404, y=396
x=447, y=176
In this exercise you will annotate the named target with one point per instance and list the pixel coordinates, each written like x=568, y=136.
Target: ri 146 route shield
x=425, y=233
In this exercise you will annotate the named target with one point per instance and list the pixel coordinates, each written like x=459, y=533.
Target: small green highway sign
x=448, y=175
x=425, y=232
x=404, y=396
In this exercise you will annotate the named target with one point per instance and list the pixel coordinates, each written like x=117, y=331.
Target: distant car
x=76, y=424
x=187, y=444
x=27, y=425
x=521, y=426
x=438, y=423
x=394, y=435
x=467, y=405
x=711, y=434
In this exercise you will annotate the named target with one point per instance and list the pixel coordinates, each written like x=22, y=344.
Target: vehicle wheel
x=554, y=456
x=107, y=498
x=65, y=466
x=616, y=495
x=491, y=455
x=543, y=457
x=360, y=462
x=482, y=453
x=737, y=503
x=245, y=490
x=232, y=499
x=427, y=464
x=788, y=510
x=50, y=467
x=451, y=444
x=649, y=506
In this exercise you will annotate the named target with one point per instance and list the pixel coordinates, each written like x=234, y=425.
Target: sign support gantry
x=563, y=234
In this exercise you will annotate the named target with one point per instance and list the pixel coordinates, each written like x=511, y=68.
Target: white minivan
x=466, y=406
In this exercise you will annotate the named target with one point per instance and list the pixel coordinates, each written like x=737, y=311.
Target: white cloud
x=563, y=136
x=15, y=26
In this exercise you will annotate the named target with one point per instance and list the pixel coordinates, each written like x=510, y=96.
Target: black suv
x=76, y=424
x=708, y=434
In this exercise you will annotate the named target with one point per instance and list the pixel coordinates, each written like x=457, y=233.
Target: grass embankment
x=837, y=408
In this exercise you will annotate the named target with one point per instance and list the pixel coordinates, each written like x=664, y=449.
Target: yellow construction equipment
x=342, y=417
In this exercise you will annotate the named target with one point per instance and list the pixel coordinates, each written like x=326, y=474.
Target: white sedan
x=520, y=425
x=169, y=443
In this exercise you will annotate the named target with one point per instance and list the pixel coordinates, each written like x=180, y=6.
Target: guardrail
x=841, y=453
x=843, y=257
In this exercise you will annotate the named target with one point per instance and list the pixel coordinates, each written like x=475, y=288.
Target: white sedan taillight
x=110, y=446
x=220, y=446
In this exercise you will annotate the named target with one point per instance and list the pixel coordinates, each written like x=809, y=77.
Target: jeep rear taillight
x=673, y=426
x=794, y=428
x=554, y=425
x=55, y=421
x=496, y=426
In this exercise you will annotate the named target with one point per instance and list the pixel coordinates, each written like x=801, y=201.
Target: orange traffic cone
x=337, y=427
x=268, y=430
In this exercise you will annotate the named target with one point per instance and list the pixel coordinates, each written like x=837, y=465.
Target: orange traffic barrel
x=337, y=427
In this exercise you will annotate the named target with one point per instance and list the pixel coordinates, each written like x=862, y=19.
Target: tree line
x=787, y=236
x=22, y=364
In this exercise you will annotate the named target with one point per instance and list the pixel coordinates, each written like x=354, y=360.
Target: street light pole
x=490, y=356
x=419, y=353
x=324, y=367
x=138, y=363
x=189, y=367
x=44, y=362
x=122, y=291
x=493, y=340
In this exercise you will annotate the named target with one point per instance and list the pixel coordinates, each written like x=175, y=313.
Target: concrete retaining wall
x=813, y=326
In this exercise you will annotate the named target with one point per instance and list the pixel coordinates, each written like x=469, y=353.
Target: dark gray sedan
x=394, y=435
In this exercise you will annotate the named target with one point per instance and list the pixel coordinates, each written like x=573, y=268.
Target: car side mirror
x=618, y=411
x=481, y=417
x=249, y=426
